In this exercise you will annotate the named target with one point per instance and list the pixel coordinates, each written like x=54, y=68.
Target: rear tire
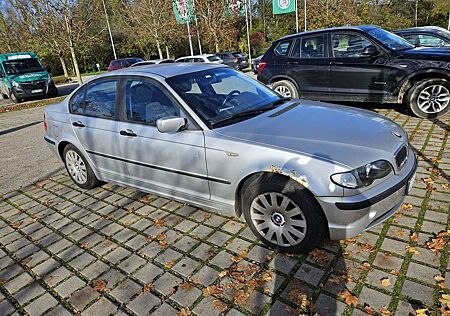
x=79, y=169
x=283, y=214
x=429, y=98
x=286, y=89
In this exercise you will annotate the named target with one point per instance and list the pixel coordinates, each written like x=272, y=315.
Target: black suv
x=361, y=63
x=428, y=36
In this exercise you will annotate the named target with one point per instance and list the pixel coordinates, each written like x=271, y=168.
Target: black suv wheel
x=429, y=98
x=285, y=88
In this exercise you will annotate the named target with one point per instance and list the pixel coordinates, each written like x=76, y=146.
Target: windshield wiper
x=267, y=107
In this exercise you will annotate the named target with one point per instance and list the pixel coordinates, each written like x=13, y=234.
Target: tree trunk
x=158, y=45
x=63, y=64
x=167, y=52
x=75, y=63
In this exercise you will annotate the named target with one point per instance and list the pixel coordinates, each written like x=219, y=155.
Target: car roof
x=432, y=29
x=165, y=70
x=339, y=28
x=18, y=55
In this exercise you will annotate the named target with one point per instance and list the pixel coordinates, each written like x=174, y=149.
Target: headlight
x=15, y=84
x=362, y=176
x=49, y=80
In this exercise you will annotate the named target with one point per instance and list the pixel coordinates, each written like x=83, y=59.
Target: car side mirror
x=370, y=51
x=2, y=75
x=171, y=124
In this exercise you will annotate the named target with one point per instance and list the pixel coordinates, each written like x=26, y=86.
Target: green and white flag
x=283, y=6
x=235, y=7
x=183, y=10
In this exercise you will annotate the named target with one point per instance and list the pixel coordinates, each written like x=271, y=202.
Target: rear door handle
x=78, y=124
x=292, y=62
x=336, y=63
x=127, y=132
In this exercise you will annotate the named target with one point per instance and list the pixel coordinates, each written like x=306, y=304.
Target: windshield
x=391, y=40
x=222, y=93
x=21, y=66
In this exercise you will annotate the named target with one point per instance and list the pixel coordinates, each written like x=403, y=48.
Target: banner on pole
x=235, y=7
x=283, y=6
x=183, y=10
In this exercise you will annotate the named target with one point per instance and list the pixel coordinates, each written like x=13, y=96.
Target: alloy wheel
x=76, y=167
x=433, y=99
x=278, y=219
x=283, y=91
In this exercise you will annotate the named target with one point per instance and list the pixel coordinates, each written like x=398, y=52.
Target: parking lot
x=117, y=251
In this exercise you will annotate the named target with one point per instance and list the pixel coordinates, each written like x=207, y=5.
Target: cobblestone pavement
x=113, y=250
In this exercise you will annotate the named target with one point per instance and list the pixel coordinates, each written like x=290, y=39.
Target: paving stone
x=165, y=310
x=69, y=286
x=186, y=266
x=203, y=251
x=56, y=276
x=144, y=303
x=29, y=292
x=185, y=225
x=102, y=307
x=81, y=298
x=166, y=283
x=432, y=227
x=388, y=261
x=132, y=263
x=186, y=243
x=394, y=246
x=373, y=298
x=206, y=276
x=18, y=282
x=167, y=256
x=137, y=242
x=186, y=297
x=117, y=255
x=422, y=273
x=82, y=261
x=46, y=267
x=59, y=245
x=41, y=305
x=201, y=231
x=104, y=247
x=148, y=273
x=375, y=276
x=279, y=308
x=93, y=270
x=222, y=260
x=70, y=253
x=327, y=305
x=151, y=250
x=112, y=277
x=125, y=290
x=418, y=292
x=219, y=238
x=10, y=272
x=309, y=274
x=206, y=307
x=6, y=307
x=59, y=310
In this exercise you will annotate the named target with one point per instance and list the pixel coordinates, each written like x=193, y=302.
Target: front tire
x=13, y=98
x=79, y=169
x=429, y=98
x=285, y=88
x=283, y=214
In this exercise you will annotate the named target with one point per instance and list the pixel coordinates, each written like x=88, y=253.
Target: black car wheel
x=13, y=98
x=79, y=169
x=429, y=98
x=283, y=214
x=285, y=88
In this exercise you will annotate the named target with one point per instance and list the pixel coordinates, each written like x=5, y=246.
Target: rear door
x=354, y=76
x=309, y=65
x=170, y=163
x=94, y=120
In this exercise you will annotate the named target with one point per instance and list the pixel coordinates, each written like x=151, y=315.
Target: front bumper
x=348, y=216
x=33, y=91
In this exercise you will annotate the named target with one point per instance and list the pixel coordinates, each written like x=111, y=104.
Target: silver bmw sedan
x=299, y=171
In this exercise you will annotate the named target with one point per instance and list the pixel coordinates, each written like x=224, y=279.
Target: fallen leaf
x=369, y=309
x=144, y=199
x=385, y=312
x=219, y=305
x=131, y=209
x=223, y=273
x=385, y=282
x=160, y=223
x=17, y=224
x=184, y=312
x=169, y=264
x=212, y=290
x=427, y=180
x=414, y=237
x=100, y=285
x=439, y=278
x=148, y=287
x=319, y=256
x=25, y=261
x=407, y=207
x=400, y=233
x=412, y=250
x=206, y=216
x=445, y=186
x=348, y=297
x=84, y=245
x=107, y=244
x=186, y=286
x=240, y=297
x=366, y=265
x=445, y=299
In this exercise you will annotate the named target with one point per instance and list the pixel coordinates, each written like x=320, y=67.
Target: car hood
x=30, y=76
x=344, y=135
x=428, y=53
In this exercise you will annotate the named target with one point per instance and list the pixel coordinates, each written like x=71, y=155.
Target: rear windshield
x=134, y=60
x=213, y=58
x=20, y=66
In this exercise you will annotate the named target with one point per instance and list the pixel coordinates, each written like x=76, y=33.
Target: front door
x=170, y=163
x=308, y=64
x=94, y=120
x=354, y=76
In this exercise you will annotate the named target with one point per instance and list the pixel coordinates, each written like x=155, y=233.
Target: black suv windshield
x=21, y=66
x=222, y=94
x=391, y=40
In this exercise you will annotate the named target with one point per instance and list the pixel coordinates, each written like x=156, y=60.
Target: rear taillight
x=261, y=66
x=236, y=60
x=45, y=124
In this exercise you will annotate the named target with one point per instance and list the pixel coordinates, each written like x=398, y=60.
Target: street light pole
x=248, y=33
x=109, y=29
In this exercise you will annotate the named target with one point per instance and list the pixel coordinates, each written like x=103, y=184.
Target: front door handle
x=127, y=132
x=78, y=124
x=293, y=63
x=332, y=63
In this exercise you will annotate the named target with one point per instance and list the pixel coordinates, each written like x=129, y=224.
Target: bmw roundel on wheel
x=298, y=171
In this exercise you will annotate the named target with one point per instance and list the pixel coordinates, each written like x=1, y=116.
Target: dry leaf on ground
x=348, y=297
x=385, y=282
x=100, y=285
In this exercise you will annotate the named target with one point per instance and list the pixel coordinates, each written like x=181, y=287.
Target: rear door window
x=97, y=99
x=282, y=48
x=348, y=45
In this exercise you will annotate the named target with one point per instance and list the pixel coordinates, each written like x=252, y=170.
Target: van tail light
x=236, y=60
x=261, y=66
x=45, y=124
